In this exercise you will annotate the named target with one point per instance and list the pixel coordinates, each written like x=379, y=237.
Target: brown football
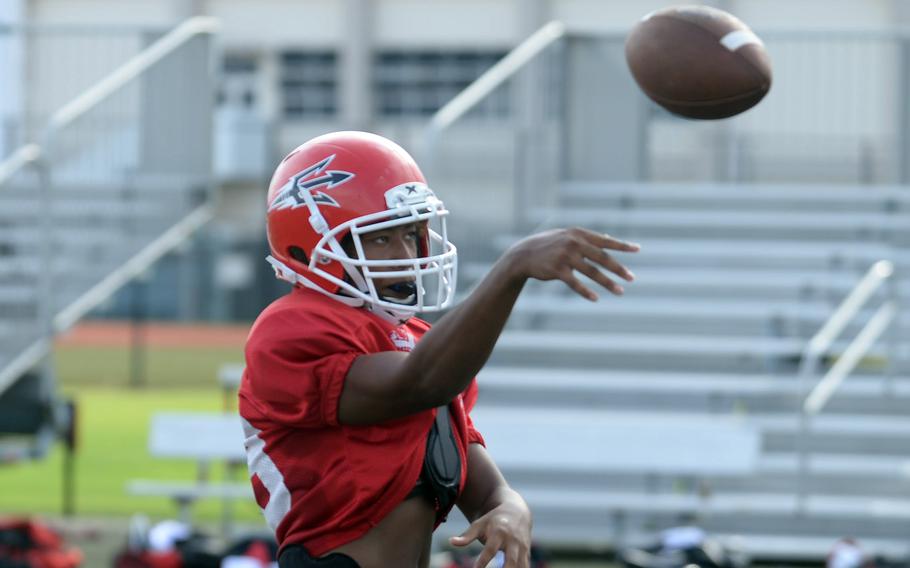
x=698, y=62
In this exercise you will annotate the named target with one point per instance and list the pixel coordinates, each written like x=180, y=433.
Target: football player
x=356, y=413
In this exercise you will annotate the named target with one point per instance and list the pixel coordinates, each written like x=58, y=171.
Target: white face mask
x=433, y=275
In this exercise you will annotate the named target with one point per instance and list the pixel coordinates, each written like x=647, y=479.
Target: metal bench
x=205, y=437
x=559, y=459
x=530, y=386
x=701, y=316
x=742, y=253
x=646, y=351
x=773, y=224
x=578, y=439
x=754, y=197
x=568, y=464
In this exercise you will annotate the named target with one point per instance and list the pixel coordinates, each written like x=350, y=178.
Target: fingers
x=603, y=240
x=596, y=275
x=591, y=254
x=514, y=557
x=568, y=276
x=561, y=252
x=584, y=263
x=467, y=537
x=601, y=257
x=488, y=552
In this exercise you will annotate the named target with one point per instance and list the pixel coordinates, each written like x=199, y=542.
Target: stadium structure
x=756, y=374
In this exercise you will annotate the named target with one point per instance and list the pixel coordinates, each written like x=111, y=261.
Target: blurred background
x=750, y=389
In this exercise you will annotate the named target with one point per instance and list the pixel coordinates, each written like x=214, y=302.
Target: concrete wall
x=266, y=27
x=106, y=12
x=11, y=73
x=790, y=129
x=441, y=22
x=808, y=120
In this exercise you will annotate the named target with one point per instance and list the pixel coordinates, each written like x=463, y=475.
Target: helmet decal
x=413, y=193
x=291, y=195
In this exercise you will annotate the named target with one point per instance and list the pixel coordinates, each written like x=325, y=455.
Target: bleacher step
x=649, y=351
x=680, y=391
x=753, y=224
x=736, y=196
x=744, y=253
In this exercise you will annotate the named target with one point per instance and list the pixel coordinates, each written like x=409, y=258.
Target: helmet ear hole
x=297, y=254
x=347, y=244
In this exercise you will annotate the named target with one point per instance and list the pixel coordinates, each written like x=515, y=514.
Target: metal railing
x=814, y=401
x=44, y=66
x=134, y=151
x=522, y=68
x=816, y=125
x=114, y=82
x=495, y=76
x=22, y=157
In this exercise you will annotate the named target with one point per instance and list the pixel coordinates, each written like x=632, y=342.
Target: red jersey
x=320, y=483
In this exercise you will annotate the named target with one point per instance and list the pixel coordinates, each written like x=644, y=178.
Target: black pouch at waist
x=296, y=556
x=442, y=462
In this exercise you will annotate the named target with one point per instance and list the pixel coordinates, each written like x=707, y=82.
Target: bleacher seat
x=732, y=280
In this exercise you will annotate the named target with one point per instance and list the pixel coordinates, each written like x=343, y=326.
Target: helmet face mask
x=307, y=211
x=433, y=271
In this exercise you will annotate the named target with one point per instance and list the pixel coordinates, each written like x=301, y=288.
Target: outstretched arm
x=389, y=385
x=500, y=518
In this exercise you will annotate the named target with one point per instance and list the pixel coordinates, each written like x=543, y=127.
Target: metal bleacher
x=106, y=182
x=714, y=328
x=766, y=304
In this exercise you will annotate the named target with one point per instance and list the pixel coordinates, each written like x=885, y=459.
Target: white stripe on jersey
x=260, y=464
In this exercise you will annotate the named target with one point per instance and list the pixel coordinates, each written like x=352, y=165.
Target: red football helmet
x=339, y=186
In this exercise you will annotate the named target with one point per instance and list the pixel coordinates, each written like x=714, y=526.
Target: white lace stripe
x=736, y=39
x=260, y=464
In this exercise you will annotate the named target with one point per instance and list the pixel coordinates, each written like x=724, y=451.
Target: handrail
x=133, y=267
x=118, y=78
x=23, y=156
x=25, y=360
x=816, y=400
x=554, y=30
x=517, y=58
x=32, y=153
x=30, y=356
x=826, y=387
x=822, y=340
x=133, y=68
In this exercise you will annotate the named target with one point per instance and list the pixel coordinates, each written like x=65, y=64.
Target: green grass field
x=113, y=431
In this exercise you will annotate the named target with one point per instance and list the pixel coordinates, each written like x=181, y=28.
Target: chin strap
x=284, y=272
x=394, y=317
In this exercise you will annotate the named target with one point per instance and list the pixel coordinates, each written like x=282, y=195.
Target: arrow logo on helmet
x=333, y=178
x=291, y=195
